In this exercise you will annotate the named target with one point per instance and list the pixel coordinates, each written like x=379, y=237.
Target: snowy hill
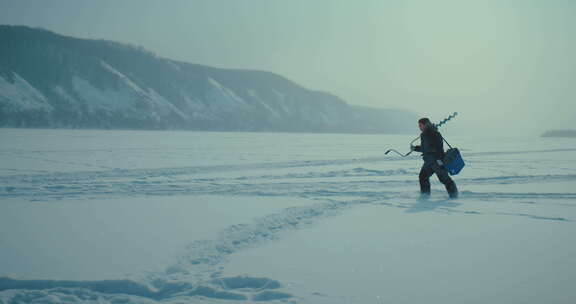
x=50, y=80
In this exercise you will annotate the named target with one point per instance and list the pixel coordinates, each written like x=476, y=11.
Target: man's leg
x=424, y=178
x=445, y=179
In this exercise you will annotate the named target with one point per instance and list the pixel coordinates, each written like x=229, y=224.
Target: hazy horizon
x=503, y=65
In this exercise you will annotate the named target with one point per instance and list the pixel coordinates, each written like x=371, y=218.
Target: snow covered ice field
x=207, y=217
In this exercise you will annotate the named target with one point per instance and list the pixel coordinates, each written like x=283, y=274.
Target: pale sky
x=507, y=67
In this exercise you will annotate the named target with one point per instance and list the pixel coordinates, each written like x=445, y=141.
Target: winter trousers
x=428, y=169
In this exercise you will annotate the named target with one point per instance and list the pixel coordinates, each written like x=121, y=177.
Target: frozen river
x=206, y=217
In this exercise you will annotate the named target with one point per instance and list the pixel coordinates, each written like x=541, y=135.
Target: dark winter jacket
x=431, y=145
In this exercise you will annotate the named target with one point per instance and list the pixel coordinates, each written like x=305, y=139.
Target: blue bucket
x=453, y=161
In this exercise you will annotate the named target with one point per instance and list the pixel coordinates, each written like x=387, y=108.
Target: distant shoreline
x=206, y=131
x=560, y=133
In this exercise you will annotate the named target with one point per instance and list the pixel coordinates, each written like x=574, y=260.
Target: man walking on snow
x=432, y=149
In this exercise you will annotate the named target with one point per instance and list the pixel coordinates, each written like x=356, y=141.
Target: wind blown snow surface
x=207, y=217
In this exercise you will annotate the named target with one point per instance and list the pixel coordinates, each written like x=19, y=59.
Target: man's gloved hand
x=412, y=148
x=440, y=162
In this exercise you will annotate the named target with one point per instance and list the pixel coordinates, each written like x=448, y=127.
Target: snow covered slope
x=49, y=80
